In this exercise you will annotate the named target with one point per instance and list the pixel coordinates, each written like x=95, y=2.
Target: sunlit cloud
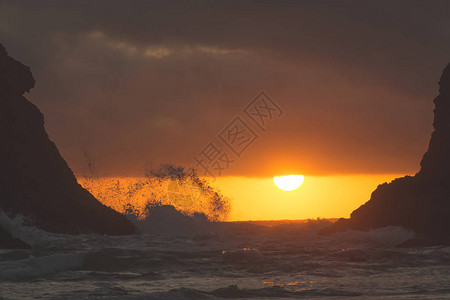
x=121, y=46
x=217, y=50
x=156, y=51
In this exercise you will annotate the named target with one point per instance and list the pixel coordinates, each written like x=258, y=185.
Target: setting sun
x=288, y=183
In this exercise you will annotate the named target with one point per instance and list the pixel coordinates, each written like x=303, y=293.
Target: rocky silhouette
x=422, y=202
x=35, y=181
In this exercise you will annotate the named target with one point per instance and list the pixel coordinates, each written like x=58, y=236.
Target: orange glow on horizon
x=318, y=197
x=258, y=198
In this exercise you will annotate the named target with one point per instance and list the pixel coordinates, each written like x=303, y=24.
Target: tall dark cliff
x=422, y=202
x=34, y=179
x=435, y=163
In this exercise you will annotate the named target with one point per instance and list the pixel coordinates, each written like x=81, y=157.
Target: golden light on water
x=289, y=183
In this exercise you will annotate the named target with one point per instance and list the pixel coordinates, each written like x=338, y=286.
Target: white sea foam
x=31, y=235
x=165, y=219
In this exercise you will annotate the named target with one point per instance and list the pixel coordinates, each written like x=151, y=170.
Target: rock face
x=34, y=179
x=420, y=203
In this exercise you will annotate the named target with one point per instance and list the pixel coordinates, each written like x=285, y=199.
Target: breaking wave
x=165, y=219
x=171, y=185
x=29, y=234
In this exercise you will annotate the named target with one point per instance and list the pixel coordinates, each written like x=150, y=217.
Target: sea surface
x=189, y=258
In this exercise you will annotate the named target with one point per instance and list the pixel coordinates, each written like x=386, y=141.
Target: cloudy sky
x=146, y=82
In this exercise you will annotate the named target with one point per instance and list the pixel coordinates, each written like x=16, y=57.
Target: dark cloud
x=148, y=81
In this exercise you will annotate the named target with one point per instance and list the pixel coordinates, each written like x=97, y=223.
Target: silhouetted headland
x=35, y=181
x=420, y=203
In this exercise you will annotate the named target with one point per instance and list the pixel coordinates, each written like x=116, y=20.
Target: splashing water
x=167, y=185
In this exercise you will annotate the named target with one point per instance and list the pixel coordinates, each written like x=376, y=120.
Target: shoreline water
x=224, y=260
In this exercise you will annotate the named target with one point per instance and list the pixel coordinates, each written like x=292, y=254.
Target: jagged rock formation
x=34, y=179
x=420, y=203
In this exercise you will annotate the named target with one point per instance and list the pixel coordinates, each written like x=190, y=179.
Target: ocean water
x=179, y=257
